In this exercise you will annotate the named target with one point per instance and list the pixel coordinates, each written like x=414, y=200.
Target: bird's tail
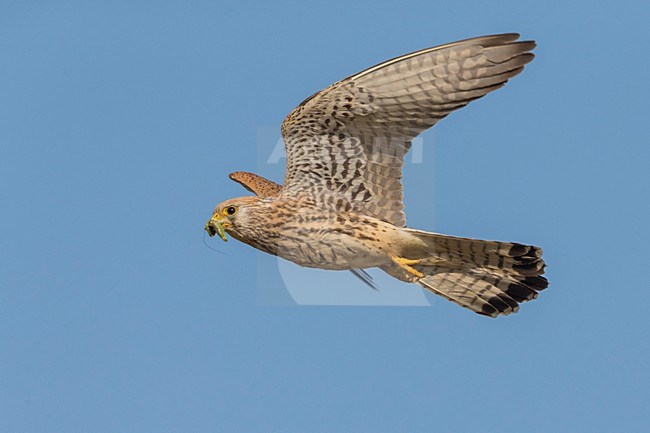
x=488, y=277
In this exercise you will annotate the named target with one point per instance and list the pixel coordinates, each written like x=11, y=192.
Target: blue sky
x=119, y=122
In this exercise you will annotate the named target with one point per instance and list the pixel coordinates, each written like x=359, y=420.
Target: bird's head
x=229, y=216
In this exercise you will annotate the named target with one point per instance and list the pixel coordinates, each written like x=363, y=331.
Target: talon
x=404, y=261
x=406, y=264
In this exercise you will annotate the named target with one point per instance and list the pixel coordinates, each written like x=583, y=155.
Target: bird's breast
x=325, y=241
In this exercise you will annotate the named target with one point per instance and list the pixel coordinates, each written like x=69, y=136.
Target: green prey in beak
x=214, y=227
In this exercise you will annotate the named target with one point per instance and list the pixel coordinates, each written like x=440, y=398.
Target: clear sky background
x=119, y=122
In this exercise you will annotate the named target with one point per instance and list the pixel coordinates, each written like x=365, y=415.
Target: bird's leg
x=406, y=265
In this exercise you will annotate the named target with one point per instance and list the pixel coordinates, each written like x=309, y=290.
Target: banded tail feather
x=488, y=277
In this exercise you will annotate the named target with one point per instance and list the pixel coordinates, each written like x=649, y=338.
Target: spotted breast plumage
x=341, y=207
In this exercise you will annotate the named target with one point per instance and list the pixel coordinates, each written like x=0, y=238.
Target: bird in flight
x=341, y=207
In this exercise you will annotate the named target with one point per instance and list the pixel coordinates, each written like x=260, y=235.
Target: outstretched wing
x=256, y=184
x=346, y=143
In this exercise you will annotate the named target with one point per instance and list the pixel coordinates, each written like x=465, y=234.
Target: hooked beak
x=216, y=226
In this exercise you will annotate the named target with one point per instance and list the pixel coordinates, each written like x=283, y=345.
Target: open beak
x=216, y=226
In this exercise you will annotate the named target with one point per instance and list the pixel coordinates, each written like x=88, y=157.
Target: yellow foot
x=406, y=265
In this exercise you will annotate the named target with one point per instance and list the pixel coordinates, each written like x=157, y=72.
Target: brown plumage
x=256, y=184
x=341, y=204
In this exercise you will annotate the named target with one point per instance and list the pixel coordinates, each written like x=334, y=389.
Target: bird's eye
x=231, y=210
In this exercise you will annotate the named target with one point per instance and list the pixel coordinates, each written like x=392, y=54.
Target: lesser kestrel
x=341, y=206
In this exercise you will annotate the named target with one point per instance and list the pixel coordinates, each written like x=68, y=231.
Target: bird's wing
x=256, y=184
x=346, y=143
